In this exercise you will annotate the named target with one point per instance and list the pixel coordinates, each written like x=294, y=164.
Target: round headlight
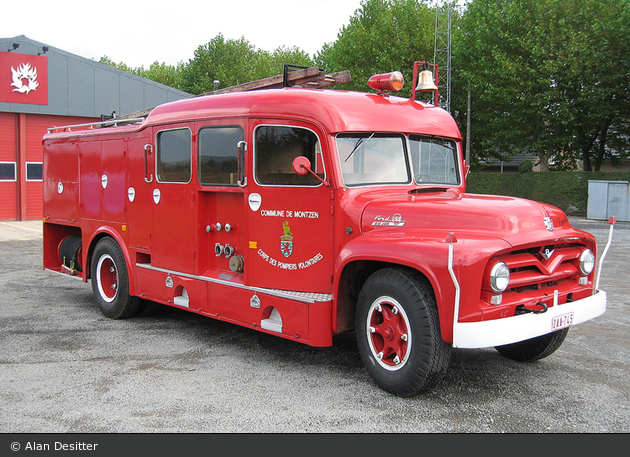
x=499, y=277
x=587, y=262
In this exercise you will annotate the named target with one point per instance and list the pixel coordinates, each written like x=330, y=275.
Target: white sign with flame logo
x=24, y=78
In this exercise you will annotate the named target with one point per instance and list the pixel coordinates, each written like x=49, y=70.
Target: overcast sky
x=142, y=32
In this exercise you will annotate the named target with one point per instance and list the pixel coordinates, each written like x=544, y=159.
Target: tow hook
x=522, y=309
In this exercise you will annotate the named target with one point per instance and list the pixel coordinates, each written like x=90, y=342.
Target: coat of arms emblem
x=286, y=240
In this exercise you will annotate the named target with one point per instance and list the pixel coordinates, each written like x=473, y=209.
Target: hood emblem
x=549, y=223
x=547, y=253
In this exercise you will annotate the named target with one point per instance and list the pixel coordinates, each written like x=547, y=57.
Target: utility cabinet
x=608, y=199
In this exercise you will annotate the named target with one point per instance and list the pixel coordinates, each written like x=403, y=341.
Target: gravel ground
x=64, y=368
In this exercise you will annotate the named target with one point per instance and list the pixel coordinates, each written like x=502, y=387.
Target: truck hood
x=515, y=220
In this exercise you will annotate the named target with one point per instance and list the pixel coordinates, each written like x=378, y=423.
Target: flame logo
x=24, y=78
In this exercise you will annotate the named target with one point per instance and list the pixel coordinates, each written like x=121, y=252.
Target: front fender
x=428, y=254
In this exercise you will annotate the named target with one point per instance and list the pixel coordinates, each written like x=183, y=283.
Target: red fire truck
x=305, y=213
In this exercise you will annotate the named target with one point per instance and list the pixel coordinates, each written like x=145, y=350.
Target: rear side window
x=218, y=154
x=275, y=149
x=174, y=155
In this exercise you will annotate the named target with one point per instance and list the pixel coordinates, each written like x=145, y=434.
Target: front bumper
x=525, y=326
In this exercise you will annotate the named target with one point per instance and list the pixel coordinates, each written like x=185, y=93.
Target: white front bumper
x=525, y=326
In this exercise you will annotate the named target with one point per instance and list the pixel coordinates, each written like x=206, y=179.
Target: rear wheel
x=535, y=348
x=110, y=281
x=398, y=332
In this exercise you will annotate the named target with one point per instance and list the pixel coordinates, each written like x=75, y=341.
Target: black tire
x=535, y=348
x=110, y=281
x=405, y=353
x=148, y=308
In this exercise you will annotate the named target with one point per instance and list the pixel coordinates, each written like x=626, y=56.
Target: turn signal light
x=393, y=81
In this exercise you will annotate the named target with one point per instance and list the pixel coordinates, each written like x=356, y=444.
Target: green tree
x=121, y=66
x=548, y=76
x=382, y=36
x=233, y=62
x=162, y=73
x=159, y=72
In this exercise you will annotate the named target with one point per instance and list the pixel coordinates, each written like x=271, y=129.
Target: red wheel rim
x=107, y=278
x=388, y=333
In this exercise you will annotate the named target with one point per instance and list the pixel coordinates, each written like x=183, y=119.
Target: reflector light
x=496, y=299
x=393, y=81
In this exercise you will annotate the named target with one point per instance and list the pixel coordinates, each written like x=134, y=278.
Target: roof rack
x=91, y=125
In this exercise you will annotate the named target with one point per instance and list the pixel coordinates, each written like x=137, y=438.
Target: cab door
x=290, y=215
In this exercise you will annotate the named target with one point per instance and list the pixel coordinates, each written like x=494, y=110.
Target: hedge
x=568, y=190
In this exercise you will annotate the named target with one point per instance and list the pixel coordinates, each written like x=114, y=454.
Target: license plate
x=559, y=322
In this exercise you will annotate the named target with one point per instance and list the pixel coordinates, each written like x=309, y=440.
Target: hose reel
x=70, y=253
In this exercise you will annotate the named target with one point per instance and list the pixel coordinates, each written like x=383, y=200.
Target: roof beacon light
x=393, y=81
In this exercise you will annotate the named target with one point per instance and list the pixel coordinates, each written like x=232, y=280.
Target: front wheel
x=110, y=281
x=398, y=332
x=535, y=348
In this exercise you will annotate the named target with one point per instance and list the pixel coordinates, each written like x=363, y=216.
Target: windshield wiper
x=359, y=142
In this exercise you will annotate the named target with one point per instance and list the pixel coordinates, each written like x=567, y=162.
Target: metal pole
x=468, y=130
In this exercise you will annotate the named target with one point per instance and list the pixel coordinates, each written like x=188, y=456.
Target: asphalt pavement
x=65, y=368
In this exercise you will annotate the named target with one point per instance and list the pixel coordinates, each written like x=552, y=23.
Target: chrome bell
x=426, y=81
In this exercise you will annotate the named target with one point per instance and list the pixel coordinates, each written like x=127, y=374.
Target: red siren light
x=393, y=81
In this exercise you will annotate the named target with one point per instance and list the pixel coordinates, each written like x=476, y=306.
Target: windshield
x=434, y=160
x=373, y=158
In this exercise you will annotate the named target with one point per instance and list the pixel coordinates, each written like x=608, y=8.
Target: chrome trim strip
x=309, y=297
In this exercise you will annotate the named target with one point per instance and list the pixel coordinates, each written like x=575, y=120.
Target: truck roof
x=334, y=110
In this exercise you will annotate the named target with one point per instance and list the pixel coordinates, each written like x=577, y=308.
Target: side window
x=174, y=155
x=277, y=146
x=218, y=154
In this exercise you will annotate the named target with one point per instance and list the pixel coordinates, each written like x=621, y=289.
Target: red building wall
x=21, y=144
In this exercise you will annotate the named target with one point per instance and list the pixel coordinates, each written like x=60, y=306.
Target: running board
x=307, y=297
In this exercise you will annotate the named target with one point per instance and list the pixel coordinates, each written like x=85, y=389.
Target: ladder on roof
x=303, y=77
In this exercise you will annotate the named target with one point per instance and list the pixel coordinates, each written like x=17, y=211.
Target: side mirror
x=302, y=166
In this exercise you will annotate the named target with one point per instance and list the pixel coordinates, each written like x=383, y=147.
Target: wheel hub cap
x=388, y=333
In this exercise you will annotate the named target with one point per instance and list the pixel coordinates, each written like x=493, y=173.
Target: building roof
x=83, y=87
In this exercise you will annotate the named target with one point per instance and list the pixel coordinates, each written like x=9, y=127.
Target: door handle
x=148, y=149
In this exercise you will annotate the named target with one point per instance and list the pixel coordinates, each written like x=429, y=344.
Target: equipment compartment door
x=174, y=194
x=290, y=215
